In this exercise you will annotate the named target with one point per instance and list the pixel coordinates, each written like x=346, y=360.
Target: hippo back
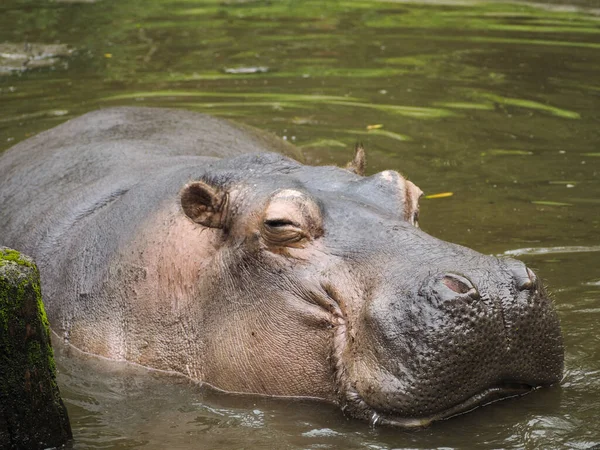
x=108, y=151
x=59, y=189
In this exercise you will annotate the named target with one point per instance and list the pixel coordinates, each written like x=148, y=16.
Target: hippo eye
x=283, y=232
x=280, y=223
x=292, y=218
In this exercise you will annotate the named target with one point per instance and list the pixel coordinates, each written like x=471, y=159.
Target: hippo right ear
x=359, y=163
x=204, y=204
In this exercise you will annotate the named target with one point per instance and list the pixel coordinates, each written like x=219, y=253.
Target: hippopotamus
x=186, y=243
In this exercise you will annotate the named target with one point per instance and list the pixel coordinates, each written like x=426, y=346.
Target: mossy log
x=32, y=414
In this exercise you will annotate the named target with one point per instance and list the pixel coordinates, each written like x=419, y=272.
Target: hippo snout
x=461, y=339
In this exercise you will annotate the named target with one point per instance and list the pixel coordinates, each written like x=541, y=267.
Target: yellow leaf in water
x=108, y=55
x=440, y=195
x=374, y=127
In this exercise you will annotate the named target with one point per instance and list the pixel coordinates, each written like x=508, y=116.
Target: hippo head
x=322, y=285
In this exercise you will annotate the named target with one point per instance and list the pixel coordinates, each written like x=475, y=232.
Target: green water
x=498, y=103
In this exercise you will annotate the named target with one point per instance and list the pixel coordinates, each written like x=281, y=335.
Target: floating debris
x=298, y=120
x=246, y=70
x=440, y=195
x=374, y=127
x=25, y=56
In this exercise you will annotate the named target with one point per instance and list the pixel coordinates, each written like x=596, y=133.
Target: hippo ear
x=358, y=164
x=412, y=195
x=204, y=204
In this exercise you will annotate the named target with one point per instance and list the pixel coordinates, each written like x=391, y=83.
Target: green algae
x=276, y=97
x=506, y=152
x=467, y=105
x=9, y=255
x=27, y=367
x=16, y=287
x=550, y=203
x=529, y=104
x=415, y=112
x=285, y=100
x=379, y=132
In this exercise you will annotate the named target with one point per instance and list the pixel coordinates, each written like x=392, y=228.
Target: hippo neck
x=160, y=270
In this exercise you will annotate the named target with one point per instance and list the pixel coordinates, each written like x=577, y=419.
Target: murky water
x=498, y=103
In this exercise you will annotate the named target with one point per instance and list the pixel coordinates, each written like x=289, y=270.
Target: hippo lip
x=489, y=395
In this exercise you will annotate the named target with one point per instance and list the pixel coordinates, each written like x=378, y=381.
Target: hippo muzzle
x=463, y=332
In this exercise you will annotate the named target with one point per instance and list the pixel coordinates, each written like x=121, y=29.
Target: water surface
x=497, y=103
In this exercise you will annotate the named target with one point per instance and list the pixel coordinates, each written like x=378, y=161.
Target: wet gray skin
x=180, y=242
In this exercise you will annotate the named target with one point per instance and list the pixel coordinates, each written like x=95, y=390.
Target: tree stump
x=32, y=414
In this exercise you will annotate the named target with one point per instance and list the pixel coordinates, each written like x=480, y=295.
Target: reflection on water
x=546, y=251
x=497, y=103
x=119, y=406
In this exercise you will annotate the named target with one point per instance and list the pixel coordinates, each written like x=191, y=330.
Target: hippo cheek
x=278, y=347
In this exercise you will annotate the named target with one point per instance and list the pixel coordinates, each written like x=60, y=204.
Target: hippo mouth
x=492, y=394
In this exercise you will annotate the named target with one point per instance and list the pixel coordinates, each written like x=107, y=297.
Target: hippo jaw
x=362, y=410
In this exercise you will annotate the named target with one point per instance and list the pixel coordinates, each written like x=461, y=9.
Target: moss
x=12, y=305
x=27, y=368
x=9, y=255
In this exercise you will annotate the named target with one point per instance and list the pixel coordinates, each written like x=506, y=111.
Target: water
x=498, y=103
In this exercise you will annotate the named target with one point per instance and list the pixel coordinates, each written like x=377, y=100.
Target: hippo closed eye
x=178, y=241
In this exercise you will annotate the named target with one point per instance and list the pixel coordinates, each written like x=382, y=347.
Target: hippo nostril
x=529, y=283
x=527, y=280
x=460, y=285
x=474, y=294
x=523, y=276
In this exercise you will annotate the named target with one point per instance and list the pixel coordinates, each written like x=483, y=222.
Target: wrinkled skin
x=257, y=274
